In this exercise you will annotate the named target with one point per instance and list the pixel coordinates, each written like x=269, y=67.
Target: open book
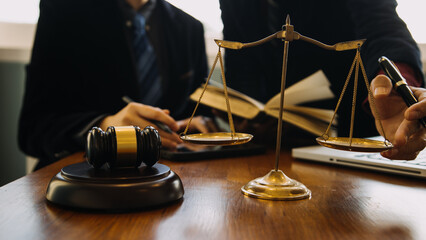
x=313, y=88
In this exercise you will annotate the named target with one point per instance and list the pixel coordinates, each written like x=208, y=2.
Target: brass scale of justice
x=276, y=185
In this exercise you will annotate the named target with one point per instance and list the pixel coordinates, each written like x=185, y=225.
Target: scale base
x=276, y=186
x=81, y=186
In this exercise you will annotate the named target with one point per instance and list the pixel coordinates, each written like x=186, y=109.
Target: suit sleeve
x=50, y=118
x=386, y=34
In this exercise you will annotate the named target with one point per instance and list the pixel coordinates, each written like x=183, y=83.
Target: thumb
x=381, y=87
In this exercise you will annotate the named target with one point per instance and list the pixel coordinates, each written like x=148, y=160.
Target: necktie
x=147, y=71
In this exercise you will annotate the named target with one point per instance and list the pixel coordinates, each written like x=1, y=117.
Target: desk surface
x=345, y=204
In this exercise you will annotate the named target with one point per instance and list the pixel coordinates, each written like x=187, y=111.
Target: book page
x=324, y=115
x=234, y=93
x=312, y=125
x=241, y=105
x=313, y=88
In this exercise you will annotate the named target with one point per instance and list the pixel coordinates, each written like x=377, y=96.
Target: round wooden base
x=81, y=186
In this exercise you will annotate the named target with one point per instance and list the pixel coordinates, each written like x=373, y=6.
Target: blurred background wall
x=15, y=46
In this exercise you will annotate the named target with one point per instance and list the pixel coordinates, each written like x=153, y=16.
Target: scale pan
x=217, y=138
x=358, y=144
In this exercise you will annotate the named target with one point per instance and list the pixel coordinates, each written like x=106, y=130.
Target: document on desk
x=373, y=161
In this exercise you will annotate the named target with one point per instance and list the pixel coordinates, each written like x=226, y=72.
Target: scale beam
x=290, y=36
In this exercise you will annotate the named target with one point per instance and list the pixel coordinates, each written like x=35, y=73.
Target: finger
x=182, y=124
x=153, y=113
x=200, y=126
x=386, y=103
x=211, y=125
x=418, y=110
x=396, y=154
x=166, y=143
x=410, y=149
x=381, y=86
x=166, y=111
x=170, y=136
x=199, y=123
x=405, y=130
x=419, y=93
x=381, y=89
x=403, y=153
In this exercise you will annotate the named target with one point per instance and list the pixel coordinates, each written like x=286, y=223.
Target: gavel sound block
x=121, y=173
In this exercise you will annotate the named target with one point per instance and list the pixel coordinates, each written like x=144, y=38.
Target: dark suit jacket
x=257, y=71
x=82, y=64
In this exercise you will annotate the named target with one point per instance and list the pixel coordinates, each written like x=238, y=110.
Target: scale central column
x=276, y=185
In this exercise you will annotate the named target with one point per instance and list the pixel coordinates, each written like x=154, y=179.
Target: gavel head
x=123, y=147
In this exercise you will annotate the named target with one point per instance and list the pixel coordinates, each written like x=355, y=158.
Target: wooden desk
x=345, y=204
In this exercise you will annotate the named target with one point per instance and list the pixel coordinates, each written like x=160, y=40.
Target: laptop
x=372, y=161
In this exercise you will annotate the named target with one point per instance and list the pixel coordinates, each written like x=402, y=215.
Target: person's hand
x=137, y=114
x=198, y=124
x=240, y=124
x=400, y=124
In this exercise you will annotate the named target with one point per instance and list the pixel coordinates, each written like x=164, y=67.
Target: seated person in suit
x=257, y=71
x=89, y=54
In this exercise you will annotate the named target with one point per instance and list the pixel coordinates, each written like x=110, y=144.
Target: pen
x=159, y=124
x=399, y=83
